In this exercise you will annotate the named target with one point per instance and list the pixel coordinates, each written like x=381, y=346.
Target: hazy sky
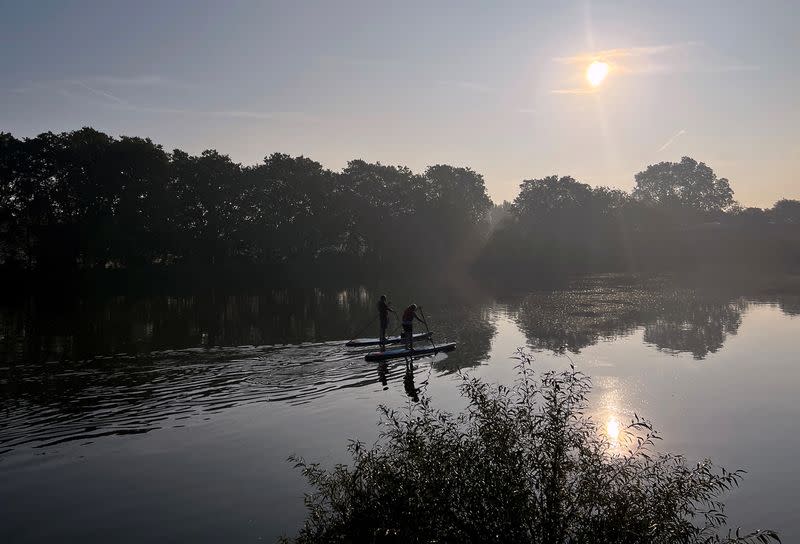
x=497, y=86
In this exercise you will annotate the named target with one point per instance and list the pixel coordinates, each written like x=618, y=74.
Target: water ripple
x=47, y=405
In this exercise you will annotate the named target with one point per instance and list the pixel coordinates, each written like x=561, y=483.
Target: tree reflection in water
x=687, y=323
x=674, y=319
x=119, y=362
x=565, y=318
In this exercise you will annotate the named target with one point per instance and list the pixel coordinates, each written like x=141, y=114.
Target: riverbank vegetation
x=86, y=201
x=680, y=216
x=519, y=464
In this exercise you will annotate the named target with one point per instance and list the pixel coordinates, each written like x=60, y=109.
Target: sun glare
x=596, y=73
x=612, y=430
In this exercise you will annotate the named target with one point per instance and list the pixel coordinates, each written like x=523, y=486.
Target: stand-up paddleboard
x=362, y=342
x=405, y=352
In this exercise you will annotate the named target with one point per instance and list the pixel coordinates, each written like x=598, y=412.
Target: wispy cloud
x=20, y=89
x=625, y=52
x=704, y=67
x=673, y=58
x=390, y=66
x=577, y=90
x=102, y=94
x=233, y=114
x=99, y=84
x=95, y=91
x=672, y=139
x=353, y=61
x=136, y=81
x=468, y=85
x=142, y=81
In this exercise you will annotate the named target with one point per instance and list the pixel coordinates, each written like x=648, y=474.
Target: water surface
x=169, y=418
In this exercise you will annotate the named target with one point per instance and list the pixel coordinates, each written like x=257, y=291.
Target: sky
x=499, y=87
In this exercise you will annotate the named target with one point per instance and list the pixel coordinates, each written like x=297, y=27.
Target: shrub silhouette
x=519, y=464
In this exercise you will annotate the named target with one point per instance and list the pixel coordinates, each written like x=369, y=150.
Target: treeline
x=86, y=200
x=679, y=215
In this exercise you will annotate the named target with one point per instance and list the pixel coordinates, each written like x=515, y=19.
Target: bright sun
x=596, y=73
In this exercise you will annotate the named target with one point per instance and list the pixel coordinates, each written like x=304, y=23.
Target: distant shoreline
x=185, y=278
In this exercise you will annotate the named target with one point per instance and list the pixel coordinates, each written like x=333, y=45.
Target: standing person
x=383, y=314
x=409, y=315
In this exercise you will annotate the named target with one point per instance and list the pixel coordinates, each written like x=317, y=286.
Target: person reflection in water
x=408, y=382
x=409, y=386
x=383, y=374
x=383, y=313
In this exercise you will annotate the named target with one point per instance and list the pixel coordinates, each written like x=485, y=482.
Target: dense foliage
x=687, y=184
x=679, y=215
x=86, y=200
x=520, y=464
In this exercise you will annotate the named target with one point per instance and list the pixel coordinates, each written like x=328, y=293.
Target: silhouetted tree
x=459, y=207
x=386, y=202
x=557, y=222
x=751, y=217
x=142, y=206
x=84, y=199
x=301, y=209
x=786, y=211
x=685, y=184
x=539, y=198
x=79, y=175
x=208, y=189
x=15, y=201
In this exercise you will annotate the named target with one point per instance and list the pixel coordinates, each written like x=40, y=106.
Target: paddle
x=425, y=322
x=396, y=328
x=362, y=329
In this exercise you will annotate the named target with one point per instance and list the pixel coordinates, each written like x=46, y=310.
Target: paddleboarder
x=383, y=314
x=409, y=315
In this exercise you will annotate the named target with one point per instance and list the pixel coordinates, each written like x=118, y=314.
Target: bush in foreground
x=520, y=464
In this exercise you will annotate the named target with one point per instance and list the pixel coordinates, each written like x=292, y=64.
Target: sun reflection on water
x=612, y=430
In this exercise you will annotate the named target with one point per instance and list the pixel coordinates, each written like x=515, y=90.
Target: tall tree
x=458, y=211
x=541, y=199
x=786, y=211
x=208, y=190
x=685, y=184
x=142, y=205
x=14, y=243
x=388, y=203
x=308, y=216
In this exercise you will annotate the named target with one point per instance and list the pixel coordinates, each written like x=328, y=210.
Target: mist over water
x=182, y=409
x=188, y=243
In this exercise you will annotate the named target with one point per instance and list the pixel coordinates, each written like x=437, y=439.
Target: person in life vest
x=409, y=315
x=383, y=314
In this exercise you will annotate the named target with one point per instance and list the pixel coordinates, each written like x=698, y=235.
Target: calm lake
x=170, y=418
